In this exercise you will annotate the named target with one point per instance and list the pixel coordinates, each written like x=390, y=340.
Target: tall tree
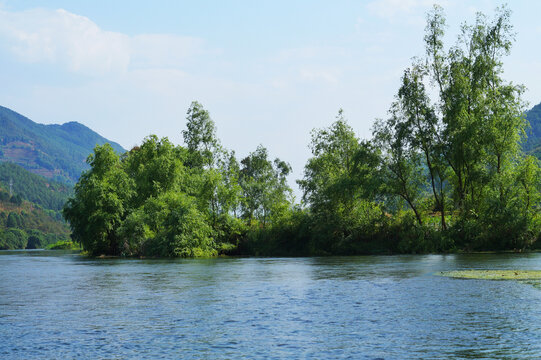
x=326, y=184
x=264, y=185
x=482, y=115
x=200, y=137
x=417, y=123
x=402, y=164
x=204, y=153
x=100, y=203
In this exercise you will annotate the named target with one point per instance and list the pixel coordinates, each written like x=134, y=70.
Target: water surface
x=60, y=305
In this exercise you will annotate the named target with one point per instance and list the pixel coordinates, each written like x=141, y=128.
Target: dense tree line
x=25, y=226
x=30, y=207
x=164, y=200
x=444, y=172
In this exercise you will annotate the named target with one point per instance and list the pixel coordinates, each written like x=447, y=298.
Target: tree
x=264, y=186
x=481, y=114
x=200, y=137
x=229, y=191
x=100, y=203
x=402, y=167
x=13, y=220
x=16, y=199
x=204, y=153
x=416, y=128
x=170, y=225
x=326, y=184
x=341, y=184
x=466, y=142
x=154, y=167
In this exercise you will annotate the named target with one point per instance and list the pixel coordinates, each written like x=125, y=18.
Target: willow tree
x=411, y=140
x=464, y=133
x=481, y=114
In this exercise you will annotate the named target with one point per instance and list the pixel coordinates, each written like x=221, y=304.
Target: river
x=56, y=305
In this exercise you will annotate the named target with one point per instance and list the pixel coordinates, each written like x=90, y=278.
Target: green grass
x=493, y=274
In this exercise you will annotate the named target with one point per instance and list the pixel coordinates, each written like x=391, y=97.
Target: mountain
x=533, y=143
x=56, y=152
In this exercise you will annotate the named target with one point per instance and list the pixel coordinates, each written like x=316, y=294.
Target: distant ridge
x=56, y=152
x=533, y=142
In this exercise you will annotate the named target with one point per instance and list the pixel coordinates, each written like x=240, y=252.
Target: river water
x=56, y=305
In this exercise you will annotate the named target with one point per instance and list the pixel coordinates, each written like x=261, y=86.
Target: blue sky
x=268, y=71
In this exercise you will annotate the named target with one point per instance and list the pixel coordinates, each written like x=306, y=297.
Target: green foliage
x=169, y=201
x=36, y=240
x=458, y=157
x=182, y=231
x=290, y=236
x=13, y=220
x=38, y=226
x=11, y=239
x=100, y=201
x=32, y=187
x=167, y=226
x=200, y=137
x=63, y=245
x=327, y=179
x=155, y=167
x=264, y=186
x=37, y=215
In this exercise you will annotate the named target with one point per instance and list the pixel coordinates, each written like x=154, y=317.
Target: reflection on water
x=60, y=305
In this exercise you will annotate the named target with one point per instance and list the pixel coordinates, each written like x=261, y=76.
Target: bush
x=64, y=245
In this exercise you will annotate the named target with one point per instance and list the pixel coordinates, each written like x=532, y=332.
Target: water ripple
x=63, y=306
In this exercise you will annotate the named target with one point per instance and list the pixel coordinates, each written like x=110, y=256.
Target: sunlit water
x=62, y=306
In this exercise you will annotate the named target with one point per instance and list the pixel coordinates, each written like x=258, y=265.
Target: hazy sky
x=268, y=71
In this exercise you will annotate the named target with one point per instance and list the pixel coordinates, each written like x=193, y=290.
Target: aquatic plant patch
x=493, y=274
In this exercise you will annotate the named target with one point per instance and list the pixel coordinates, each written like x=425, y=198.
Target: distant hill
x=533, y=143
x=56, y=152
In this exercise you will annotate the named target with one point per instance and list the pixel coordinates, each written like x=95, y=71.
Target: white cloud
x=60, y=37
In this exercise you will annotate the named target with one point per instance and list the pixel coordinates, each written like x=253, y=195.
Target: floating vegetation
x=493, y=274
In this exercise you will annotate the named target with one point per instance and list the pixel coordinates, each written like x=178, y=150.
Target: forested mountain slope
x=24, y=224
x=33, y=188
x=56, y=152
x=533, y=143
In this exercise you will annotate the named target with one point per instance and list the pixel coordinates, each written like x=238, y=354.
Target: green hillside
x=533, y=143
x=34, y=188
x=30, y=209
x=26, y=225
x=56, y=152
